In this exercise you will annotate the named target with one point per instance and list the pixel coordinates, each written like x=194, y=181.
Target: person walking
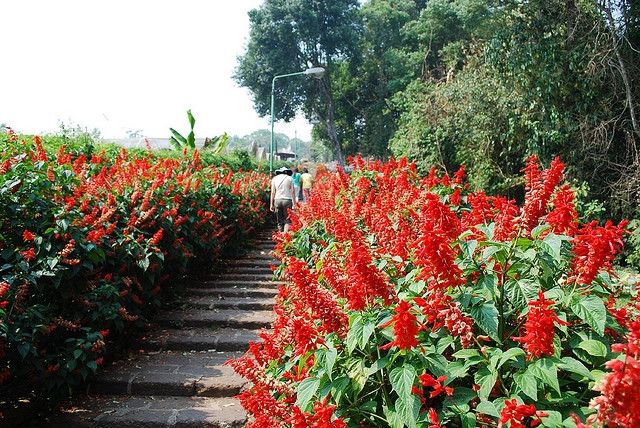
x=307, y=182
x=283, y=197
x=296, y=183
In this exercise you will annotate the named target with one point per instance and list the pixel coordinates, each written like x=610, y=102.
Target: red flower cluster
x=595, y=247
x=441, y=311
x=520, y=415
x=366, y=281
x=429, y=381
x=539, y=186
x=322, y=417
x=405, y=327
x=539, y=329
x=619, y=402
x=563, y=218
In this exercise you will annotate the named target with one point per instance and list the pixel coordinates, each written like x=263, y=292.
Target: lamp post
x=316, y=72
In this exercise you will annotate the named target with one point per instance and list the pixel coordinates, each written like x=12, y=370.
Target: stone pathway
x=178, y=379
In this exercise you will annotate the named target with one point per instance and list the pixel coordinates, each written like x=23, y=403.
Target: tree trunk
x=623, y=70
x=331, y=125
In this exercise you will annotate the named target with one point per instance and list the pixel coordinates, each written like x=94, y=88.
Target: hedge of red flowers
x=89, y=243
x=417, y=302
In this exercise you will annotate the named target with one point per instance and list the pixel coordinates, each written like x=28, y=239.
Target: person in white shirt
x=283, y=197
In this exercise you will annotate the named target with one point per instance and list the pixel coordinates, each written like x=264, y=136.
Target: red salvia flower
x=429, y=381
x=366, y=281
x=4, y=288
x=405, y=327
x=539, y=328
x=434, y=422
x=564, y=217
x=539, y=187
x=28, y=236
x=595, y=248
x=517, y=415
x=619, y=402
x=29, y=254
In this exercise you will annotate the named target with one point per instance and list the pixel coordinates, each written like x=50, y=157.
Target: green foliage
x=89, y=242
x=179, y=141
x=501, y=83
x=472, y=322
x=216, y=145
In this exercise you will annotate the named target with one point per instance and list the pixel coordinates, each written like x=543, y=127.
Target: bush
x=89, y=243
x=415, y=302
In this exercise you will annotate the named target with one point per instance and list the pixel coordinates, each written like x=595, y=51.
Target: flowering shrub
x=416, y=302
x=88, y=244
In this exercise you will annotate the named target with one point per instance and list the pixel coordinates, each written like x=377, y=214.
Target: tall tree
x=291, y=35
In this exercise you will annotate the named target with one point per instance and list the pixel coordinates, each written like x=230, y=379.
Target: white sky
x=120, y=65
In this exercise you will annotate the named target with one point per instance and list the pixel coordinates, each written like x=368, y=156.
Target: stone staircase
x=178, y=378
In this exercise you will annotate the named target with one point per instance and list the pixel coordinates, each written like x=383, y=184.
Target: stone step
x=217, y=318
x=261, y=255
x=233, y=276
x=258, y=263
x=241, y=283
x=255, y=270
x=234, y=291
x=239, y=303
x=151, y=412
x=198, y=339
x=171, y=373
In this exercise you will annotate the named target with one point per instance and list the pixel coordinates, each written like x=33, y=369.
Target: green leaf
x=468, y=420
x=377, y=365
x=368, y=328
x=355, y=332
x=555, y=243
x=552, y=420
x=591, y=310
x=485, y=377
x=466, y=353
x=176, y=145
x=408, y=410
x=338, y=387
x=593, y=347
x=574, y=366
x=510, y=354
x=144, y=263
x=192, y=120
x=487, y=408
x=521, y=291
x=460, y=397
x=402, y=379
x=527, y=383
x=490, y=284
x=178, y=136
x=330, y=356
x=393, y=419
x=537, y=231
x=305, y=392
x=547, y=371
x=486, y=316
x=191, y=140
x=52, y=262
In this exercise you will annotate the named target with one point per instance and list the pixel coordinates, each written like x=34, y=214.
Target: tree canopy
x=478, y=82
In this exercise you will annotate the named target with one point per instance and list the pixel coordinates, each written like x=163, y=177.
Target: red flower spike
x=405, y=327
x=539, y=328
x=619, y=402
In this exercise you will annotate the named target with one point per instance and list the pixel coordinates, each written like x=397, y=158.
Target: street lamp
x=316, y=72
